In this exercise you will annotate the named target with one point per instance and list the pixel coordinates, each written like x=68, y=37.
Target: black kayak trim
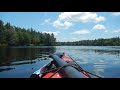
x=69, y=71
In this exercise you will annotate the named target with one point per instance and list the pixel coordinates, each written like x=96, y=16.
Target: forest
x=115, y=41
x=16, y=36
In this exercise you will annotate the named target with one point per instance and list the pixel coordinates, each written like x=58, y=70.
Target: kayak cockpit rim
x=63, y=66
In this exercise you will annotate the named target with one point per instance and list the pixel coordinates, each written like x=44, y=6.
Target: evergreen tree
x=2, y=33
x=12, y=35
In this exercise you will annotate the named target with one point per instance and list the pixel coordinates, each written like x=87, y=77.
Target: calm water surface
x=21, y=62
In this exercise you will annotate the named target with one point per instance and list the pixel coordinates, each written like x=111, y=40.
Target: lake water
x=21, y=62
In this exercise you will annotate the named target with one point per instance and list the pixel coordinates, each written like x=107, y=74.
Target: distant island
x=16, y=36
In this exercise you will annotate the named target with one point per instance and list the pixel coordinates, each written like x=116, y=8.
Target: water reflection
x=8, y=55
x=5, y=69
x=96, y=59
x=112, y=52
x=22, y=61
x=100, y=66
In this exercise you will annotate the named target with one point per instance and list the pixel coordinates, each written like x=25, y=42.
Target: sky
x=68, y=26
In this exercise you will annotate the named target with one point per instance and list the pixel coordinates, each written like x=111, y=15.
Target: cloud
x=55, y=33
x=99, y=26
x=116, y=31
x=72, y=17
x=68, y=39
x=84, y=31
x=74, y=38
x=46, y=21
x=116, y=13
x=61, y=39
x=112, y=31
x=80, y=17
x=106, y=31
x=57, y=24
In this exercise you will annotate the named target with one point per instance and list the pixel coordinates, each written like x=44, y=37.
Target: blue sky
x=68, y=26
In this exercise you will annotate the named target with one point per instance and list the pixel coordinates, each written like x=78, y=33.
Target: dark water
x=21, y=62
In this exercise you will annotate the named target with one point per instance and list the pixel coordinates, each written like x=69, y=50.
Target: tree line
x=115, y=41
x=16, y=36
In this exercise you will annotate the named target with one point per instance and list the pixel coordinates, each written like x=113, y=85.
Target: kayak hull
x=62, y=61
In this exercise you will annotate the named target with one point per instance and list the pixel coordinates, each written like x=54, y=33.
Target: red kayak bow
x=61, y=66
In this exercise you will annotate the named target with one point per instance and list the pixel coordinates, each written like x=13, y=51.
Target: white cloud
x=112, y=31
x=46, y=21
x=71, y=17
x=74, y=38
x=99, y=26
x=116, y=13
x=106, y=31
x=81, y=32
x=55, y=33
x=64, y=38
x=116, y=31
x=57, y=24
x=61, y=39
x=67, y=24
x=68, y=39
x=80, y=17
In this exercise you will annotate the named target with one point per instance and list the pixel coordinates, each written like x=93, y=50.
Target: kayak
x=61, y=66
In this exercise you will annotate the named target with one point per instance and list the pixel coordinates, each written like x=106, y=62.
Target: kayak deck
x=61, y=66
x=48, y=75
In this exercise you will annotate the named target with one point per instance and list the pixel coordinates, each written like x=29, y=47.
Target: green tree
x=2, y=33
x=13, y=35
x=27, y=39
